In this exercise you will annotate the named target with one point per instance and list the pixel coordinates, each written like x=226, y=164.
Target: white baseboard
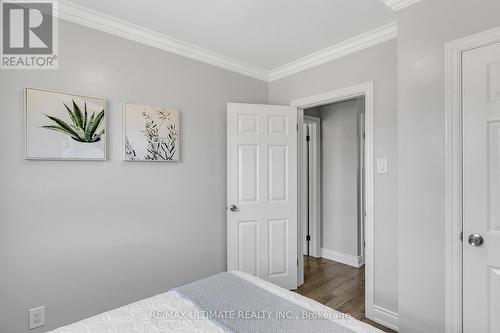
x=385, y=317
x=343, y=258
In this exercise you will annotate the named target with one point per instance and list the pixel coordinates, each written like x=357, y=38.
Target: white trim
x=103, y=22
x=93, y=19
x=343, y=258
x=366, y=90
x=386, y=317
x=397, y=5
x=453, y=218
x=315, y=204
x=300, y=202
x=358, y=43
x=302, y=180
x=361, y=178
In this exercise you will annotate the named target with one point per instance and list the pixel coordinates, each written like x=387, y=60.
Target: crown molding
x=363, y=41
x=397, y=5
x=93, y=19
x=96, y=20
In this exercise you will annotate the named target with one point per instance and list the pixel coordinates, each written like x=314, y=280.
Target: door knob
x=476, y=240
x=233, y=208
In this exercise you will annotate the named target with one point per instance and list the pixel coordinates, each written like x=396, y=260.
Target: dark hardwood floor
x=338, y=286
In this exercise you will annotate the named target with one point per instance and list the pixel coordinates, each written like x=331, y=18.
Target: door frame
x=315, y=195
x=360, y=90
x=453, y=188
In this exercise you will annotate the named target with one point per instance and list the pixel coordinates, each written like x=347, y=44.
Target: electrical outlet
x=37, y=317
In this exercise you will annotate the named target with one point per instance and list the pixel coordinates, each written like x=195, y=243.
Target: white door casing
x=361, y=185
x=304, y=179
x=311, y=205
x=359, y=90
x=262, y=184
x=481, y=188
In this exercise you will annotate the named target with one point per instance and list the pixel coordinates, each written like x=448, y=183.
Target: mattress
x=171, y=312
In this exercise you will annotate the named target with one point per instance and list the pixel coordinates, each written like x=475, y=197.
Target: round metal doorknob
x=233, y=208
x=476, y=240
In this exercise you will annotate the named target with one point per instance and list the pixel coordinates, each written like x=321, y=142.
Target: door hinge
x=297, y=262
x=364, y=135
x=461, y=236
x=364, y=244
x=297, y=127
x=308, y=238
x=308, y=138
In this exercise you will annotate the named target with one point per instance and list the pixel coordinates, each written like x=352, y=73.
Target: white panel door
x=262, y=191
x=481, y=190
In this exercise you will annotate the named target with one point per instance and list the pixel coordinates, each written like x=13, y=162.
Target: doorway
x=264, y=191
x=364, y=93
x=333, y=200
x=333, y=182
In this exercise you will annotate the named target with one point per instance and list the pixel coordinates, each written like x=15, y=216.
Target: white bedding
x=169, y=312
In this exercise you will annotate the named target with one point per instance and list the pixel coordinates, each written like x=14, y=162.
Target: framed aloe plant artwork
x=151, y=133
x=61, y=126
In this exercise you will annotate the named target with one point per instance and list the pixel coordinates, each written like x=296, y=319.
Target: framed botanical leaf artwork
x=63, y=126
x=151, y=133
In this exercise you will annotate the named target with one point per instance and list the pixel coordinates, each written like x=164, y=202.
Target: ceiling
x=262, y=33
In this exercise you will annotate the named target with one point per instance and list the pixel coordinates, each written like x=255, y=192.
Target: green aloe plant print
x=82, y=127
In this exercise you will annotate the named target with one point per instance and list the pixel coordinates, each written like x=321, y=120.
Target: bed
x=224, y=303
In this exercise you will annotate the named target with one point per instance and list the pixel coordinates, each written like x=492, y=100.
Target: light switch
x=382, y=165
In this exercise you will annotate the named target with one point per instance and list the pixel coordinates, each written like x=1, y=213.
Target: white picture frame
x=47, y=108
x=150, y=133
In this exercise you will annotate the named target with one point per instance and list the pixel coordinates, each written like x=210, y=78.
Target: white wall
x=339, y=177
x=150, y=226
x=378, y=64
x=423, y=30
